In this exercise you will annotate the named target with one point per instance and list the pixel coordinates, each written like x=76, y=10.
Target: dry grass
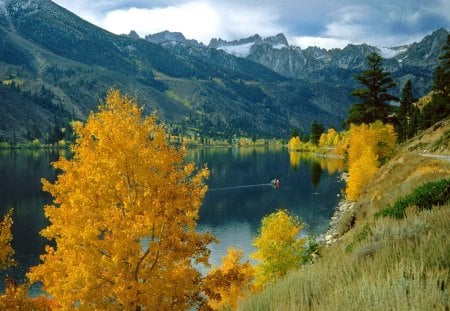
x=433, y=140
x=396, y=179
x=402, y=265
x=395, y=264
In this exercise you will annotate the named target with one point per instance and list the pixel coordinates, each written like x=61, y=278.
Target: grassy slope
x=401, y=265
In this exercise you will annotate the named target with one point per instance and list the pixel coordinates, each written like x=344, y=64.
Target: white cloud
x=322, y=42
x=238, y=21
x=195, y=20
x=349, y=24
x=200, y=20
x=381, y=23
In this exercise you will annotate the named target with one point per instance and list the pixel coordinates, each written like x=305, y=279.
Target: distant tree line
x=44, y=98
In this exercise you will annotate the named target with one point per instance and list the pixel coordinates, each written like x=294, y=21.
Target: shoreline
x=344, y=206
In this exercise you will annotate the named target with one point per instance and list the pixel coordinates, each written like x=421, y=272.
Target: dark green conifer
x=374, y=97
x=404, y=116
x=316, y=131
x=439, y=107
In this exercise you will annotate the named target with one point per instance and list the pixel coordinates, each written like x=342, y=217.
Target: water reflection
x=240, y=194
x=316, y=173
x=21, y=189
x=233, y=215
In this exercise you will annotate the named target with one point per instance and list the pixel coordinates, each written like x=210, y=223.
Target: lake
x=239, y=195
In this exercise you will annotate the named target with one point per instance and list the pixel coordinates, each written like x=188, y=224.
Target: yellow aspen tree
x=385, y=138
x=361, y=172
x=323, y=140
x=328, y=138
x=295, y=143
x=6, y=250
x=360, y=139
x=341, y=143
x=17, y=298
x=278, y=249
x=226, y=284
x=369, y=146
x=124, y=218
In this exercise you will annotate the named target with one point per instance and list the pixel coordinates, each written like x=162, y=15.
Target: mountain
x=167, y=36
x=415, y=61
x=243, y=47
x=55, y=67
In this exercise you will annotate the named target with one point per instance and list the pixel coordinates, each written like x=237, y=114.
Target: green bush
x=423, y=197
x=312, y=251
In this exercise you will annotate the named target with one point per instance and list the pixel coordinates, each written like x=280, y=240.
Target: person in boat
x=275, y=182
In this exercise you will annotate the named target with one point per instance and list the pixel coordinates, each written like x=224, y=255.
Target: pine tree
x=413, y=124
x=317, y=130
x=374, y=96
x=405, y=112
x=439, y=108
x=441, y=85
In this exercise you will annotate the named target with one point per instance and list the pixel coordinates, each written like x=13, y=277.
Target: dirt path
x=436, y=156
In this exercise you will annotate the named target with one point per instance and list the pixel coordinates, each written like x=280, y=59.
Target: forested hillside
x=193, y=89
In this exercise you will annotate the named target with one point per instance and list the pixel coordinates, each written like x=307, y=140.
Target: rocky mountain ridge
x=55, y=67
x=167, y=36
x=414, y=61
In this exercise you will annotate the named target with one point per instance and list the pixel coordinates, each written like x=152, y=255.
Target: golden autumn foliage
x=330, y=138
x=369, y=146
x=226, y=284
x=332, y=165
x=6, y=250
x=17, y=298
x=124, y=217
x=295, y=143
x=295, y=159
x=278, y=249
x=361, y=171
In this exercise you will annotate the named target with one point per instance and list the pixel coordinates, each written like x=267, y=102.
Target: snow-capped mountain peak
x=242, y=47
x=392, y=52
x=167, y=36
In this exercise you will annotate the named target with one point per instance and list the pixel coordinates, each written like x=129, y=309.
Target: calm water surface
x=238, y=197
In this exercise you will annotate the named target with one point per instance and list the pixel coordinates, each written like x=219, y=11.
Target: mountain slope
x=380, y=263
x=48, y=53
x=415, y=61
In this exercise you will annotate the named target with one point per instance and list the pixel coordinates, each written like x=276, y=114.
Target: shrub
x=423, y=197
x=312, y=250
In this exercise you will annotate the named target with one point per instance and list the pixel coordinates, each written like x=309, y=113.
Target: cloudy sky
x=324, y=23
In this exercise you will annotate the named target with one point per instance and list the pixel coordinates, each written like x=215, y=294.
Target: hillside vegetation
x=381, y=263
x=49, y=55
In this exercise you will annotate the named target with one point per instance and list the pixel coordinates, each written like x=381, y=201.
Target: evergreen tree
x=439, y=108
x=316, y=131
x=405, y=112
x=413, y=124
x=441, y=86
x=374, y=96
x=294, y=133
